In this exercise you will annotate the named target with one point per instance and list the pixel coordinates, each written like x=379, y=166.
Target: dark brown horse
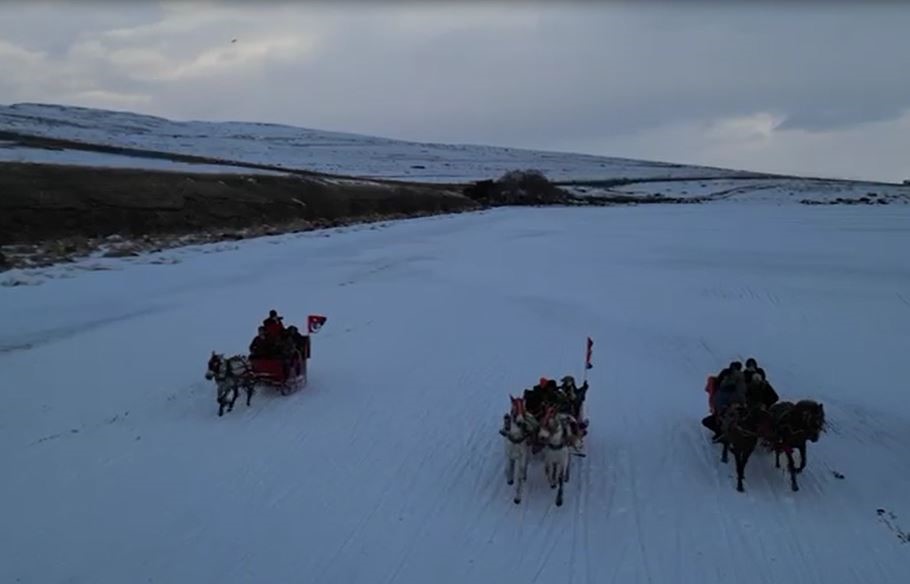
x=740, y=427
x=792, y=425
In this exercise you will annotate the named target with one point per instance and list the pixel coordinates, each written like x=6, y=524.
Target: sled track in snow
x=392, y=450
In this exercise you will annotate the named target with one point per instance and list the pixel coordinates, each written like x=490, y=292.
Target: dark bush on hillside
x=517, y=187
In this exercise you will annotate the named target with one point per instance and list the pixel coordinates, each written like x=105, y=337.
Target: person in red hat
x=540, y=396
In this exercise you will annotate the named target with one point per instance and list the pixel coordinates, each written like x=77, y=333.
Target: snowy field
x=320, y=151
x=16, y=153
x=772, y=190
x=388, y=467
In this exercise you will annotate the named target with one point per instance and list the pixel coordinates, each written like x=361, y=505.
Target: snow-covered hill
x=130, y=140
x=313, y=150
x=777, y=190
x=388, y=467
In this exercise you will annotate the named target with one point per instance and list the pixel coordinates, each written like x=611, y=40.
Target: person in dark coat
x=533, y=401
x=539, y=397
x=262, y=345
x=760, y=392
x=573, y=399
x=573, y=396
x=729, y=388
x=719, y=378
x=752, y=368
x=301, y=342
x=551, y=395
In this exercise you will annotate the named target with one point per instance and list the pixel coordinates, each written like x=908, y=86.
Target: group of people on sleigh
x=564, y=398
x=736, y=384
x=275, y=341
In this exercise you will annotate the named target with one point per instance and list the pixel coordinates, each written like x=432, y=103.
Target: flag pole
x=584, y=375
x=588, y=346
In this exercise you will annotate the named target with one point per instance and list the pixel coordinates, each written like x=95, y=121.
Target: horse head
x=549, y=414
x=517, y=423
x=812, y=418
x=214, y=365
x=517, y=411
x=553, y=428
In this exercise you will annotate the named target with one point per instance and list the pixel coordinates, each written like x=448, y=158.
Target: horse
x=229, y=375
x=791, y=426
x=518, y=427
x=555, y=432
x=740, y=426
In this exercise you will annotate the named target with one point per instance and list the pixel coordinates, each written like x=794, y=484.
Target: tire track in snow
x=578, y=512
x=450, y=480
x=426, y=524
x=454, y=469
x=489, y=486
x=52, y=335
x=546, y=528
x=712, y=470
x=584, y=516
x=392, y=481
x=636, y=515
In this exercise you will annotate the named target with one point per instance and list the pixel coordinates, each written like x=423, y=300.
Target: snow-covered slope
x=778, y=190
x=320, y=151
x=770, y=190
x=12, y=152
x=388, y=468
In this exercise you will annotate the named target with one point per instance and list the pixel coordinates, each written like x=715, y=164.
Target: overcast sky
x=813, y=88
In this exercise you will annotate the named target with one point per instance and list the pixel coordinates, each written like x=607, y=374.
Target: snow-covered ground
x=771, y=189
x=16, y=153
x=388, y=467
x=792, y=190
x=320, y=151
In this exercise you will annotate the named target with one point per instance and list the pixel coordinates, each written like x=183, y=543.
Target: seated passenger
x=262, y=345
x=752, y=368
x=301, y=342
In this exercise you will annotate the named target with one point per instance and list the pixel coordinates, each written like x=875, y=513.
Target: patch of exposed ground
x=51, y=213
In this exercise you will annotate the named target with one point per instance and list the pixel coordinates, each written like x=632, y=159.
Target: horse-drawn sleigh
x=277, y=359
x=746, y=412
x=554, y=427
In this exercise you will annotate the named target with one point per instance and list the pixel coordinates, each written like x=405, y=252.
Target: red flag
x=315, y=322
x=588, y=356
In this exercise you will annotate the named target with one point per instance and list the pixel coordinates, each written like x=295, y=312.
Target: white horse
x=557, y=436
x=229, y=375
x=518, y=427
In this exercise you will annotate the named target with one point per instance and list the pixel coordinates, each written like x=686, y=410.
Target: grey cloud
x=53, y=27
x=534, y=75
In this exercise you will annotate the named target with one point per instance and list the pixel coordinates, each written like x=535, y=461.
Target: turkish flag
x=315, y=322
